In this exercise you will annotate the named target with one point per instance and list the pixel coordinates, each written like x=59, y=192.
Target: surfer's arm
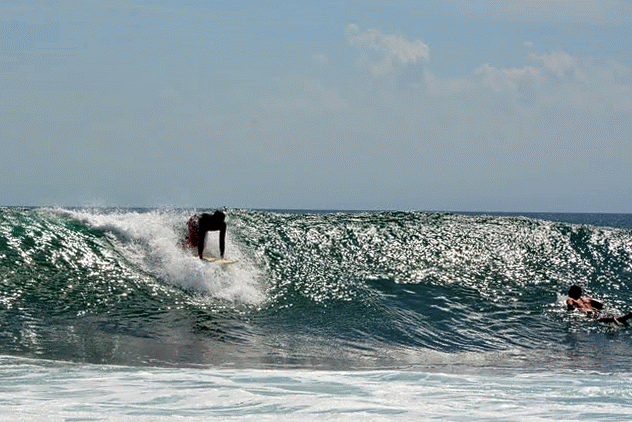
x=222, y=238
x=572, y=304
x=201, y=238
x=597, y=304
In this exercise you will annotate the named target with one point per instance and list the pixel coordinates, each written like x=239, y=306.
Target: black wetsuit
x=199, y=225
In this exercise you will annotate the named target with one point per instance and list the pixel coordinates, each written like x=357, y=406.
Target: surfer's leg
x=620, y=320
x=607, y=319
x=623, y=318
x=192, y=235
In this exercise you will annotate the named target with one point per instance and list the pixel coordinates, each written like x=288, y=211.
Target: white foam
x=37, y=390
x=152, y=240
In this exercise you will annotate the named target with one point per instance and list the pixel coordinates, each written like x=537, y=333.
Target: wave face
x=329, y=290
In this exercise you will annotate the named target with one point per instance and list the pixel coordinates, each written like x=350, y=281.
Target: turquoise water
x=326, y=316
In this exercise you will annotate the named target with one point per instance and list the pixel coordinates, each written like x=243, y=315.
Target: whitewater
x=326, y=316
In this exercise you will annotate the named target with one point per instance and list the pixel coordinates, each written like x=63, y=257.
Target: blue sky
x=449, y=105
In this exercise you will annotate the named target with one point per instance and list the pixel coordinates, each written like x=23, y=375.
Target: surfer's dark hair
x=219, y=215
x=575, y=292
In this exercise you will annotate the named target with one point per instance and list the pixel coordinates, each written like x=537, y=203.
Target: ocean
x=371, y=316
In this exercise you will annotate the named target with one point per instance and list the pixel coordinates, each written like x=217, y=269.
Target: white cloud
x=555, y=79
x=393, y=51
x=499, y=80
x=552, y=79
x=559, y=63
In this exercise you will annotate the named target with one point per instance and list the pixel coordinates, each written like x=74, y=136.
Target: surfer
x=199, y=225
x=590, y=307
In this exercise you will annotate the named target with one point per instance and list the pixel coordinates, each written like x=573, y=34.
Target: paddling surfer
x=591, y=307
x=199, y=225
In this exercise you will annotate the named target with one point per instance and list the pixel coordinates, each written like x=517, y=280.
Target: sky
x=450, y=105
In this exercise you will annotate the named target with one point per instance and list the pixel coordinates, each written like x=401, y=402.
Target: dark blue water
x=331, y=290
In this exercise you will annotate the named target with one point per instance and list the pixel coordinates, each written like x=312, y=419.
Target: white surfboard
x=221, y=261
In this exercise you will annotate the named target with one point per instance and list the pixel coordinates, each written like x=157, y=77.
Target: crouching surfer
x=591, y=307
x=199, y=225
